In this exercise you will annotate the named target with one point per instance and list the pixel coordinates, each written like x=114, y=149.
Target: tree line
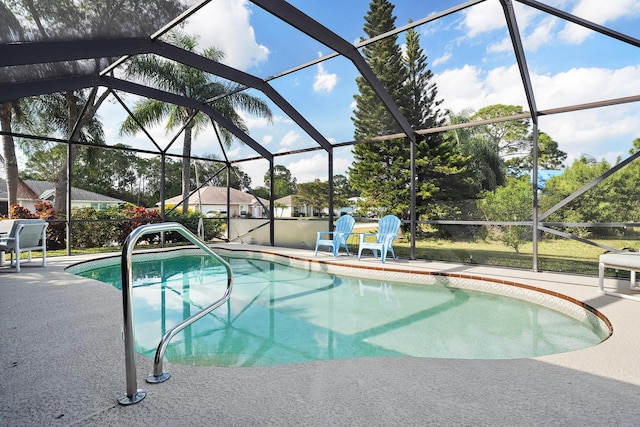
x=474, y=172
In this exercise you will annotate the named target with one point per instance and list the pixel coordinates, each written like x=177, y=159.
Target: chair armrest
x=364, y=235
x=321, y=233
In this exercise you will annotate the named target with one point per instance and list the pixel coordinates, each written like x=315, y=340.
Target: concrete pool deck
x=62, y=362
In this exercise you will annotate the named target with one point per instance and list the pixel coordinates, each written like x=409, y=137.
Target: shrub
x=133, y=217
x=93, y=228
x=20, y=212
x=88, y=231
x=56, y=231
x=212, y=227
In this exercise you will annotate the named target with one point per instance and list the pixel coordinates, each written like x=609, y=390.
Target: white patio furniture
x=23, y=235
x=624, y=261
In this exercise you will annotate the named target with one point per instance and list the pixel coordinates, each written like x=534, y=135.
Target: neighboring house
x=213, y=201
x=288, y=207
x=31, y=192
x=352, y=209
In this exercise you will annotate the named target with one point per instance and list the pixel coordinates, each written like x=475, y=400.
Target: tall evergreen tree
x=381, y=170
x=371, y=117
x=440, y=169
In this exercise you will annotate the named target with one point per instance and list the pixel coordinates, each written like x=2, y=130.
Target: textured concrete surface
x=62, y=363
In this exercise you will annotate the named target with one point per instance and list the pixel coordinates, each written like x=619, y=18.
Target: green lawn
x=560, y=255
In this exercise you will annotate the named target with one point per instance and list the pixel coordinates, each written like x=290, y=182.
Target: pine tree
x=378, y=171
x=441, y=170
x=382, y=170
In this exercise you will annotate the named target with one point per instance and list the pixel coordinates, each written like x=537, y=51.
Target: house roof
x=289, y=200
x=286, y=200
x=30, y=189
x=217, y=196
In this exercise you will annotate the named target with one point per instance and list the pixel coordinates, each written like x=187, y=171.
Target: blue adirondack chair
x=338, y=238
x=388, y=228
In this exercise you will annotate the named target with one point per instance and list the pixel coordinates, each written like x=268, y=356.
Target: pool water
x=279, y=314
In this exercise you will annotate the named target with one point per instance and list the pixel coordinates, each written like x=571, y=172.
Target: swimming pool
x=281, y=314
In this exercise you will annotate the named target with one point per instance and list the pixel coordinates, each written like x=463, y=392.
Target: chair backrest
x=6, y=225
x=388, y=225
x=345, y=224
x=30, y=231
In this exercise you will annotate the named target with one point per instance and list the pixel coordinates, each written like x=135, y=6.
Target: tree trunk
x=9, y=150
x=60, y=198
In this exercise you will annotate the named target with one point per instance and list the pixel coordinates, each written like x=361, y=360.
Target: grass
x=561, y=255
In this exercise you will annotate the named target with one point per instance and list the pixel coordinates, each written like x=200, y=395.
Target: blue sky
x=469, y=53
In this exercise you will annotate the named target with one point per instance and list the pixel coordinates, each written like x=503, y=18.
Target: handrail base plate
x=153, y=379
x=126, y=400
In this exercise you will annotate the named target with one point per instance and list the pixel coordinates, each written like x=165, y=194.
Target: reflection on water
x=279, y=314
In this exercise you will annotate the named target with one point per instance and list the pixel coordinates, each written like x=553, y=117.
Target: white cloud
x=316, y=167
x=538, y=27
x=469, y=87
x=323, y=81
x=266, y=139
x=486, y=16
x=579, y=132
x=504, y=45
x=252, y=121
x=225, y=25
x=596, y=11
x=234, y=153
x=290, y=137
x=581, y=85
x=307, y=170
x=255, y=170
x=541, y=35
x=442, y=60
x=466, y=87
x=489, y=16
x=594, y=132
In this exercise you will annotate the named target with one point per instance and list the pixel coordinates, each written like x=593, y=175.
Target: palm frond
x=149, y=113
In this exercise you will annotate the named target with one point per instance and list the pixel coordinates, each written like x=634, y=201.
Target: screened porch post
x=69, y=177
x=534, y=189
x=330, y=170
x=412, y=186
x=271, y=205
x=163, y=169
x=228, y=197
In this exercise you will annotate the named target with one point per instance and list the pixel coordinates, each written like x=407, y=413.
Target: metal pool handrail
x=135, y=395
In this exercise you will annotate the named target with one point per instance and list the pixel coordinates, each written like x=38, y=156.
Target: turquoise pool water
x=279, y=314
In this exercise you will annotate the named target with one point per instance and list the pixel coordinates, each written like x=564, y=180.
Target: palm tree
x=189, y=82
x=9, y=158
x=484, y=157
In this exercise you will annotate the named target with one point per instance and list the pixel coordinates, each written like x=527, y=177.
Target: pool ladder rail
x=133, y=394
